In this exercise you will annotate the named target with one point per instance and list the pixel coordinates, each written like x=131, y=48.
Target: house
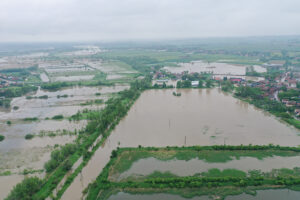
x=297, y=112
x=236, y=80
x=195, y=83
x=284, y=101
x=292, y=83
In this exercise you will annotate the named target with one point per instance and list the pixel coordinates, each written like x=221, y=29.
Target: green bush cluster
x=59, y=155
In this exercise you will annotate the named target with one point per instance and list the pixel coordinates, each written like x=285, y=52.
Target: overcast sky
x=101, y=20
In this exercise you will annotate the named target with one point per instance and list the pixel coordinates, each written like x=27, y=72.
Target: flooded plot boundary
x=214, y=182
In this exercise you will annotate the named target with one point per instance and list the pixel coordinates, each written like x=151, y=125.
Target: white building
x=195, y=83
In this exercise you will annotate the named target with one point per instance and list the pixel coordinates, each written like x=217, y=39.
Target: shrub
x=29, y=136
x=26, y=189
x=57, y=117
x=2, y=137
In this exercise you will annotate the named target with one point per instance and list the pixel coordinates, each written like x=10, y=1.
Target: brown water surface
x=198, y=117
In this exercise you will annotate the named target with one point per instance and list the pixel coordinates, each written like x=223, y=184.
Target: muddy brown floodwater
x=16, y=153
x=279, y=194
x=51, y=106
x=198, y=117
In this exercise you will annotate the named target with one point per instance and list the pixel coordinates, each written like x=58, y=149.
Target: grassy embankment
x=213, y=182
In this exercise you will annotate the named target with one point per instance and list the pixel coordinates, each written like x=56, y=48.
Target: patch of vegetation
x=2, y=137
x=8, y=122
x=58, y=117
x=91, y=102
x=17, y=91
x=178, y=94
x=62, y=96
x=5, y=102
x=30, y=119
x=5, y=173
x=39, y=97
x=59, y=155
x=227, y=86
x=29, y=136
x=26, y=189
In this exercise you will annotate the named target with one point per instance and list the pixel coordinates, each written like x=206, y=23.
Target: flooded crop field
x=278, y=194
x=18, y=154
x=66, y=102
x=197, y=117
x=144, y=167
x=215, y=68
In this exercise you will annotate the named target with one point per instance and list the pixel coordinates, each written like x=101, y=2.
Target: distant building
x=162, y=80
x=236, y=80
x=195, y=83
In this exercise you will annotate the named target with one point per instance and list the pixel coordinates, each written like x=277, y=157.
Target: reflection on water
x=280, y=194
x=160, y=119
x=126, y=196
x=147, y=166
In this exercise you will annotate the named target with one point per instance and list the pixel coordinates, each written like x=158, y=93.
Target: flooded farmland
x=203, y=117
x=72, y=78
x=215, y=68
x=18, y=154
x=55, y=104
x=198, y=117
x=144, y=167
x=278, y=194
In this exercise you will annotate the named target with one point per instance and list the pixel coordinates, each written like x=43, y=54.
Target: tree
x=26, y=189
x=200, y=85
x=178, y=84
x=186, y=84
x=208, y=83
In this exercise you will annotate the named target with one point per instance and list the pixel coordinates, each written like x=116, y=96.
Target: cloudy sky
x=107, y=20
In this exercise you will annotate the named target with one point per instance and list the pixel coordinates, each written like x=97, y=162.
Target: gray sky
x=100, y=20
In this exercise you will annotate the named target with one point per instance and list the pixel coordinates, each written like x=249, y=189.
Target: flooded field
x=198, y=117
x=16, y=153
x=72, y=78
x=279, y=194
x=44, y=77
x=144, y=167
x=114, y=76
x=162, y=196
x=67, y=106
x=215, y=68
x=203, y=117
